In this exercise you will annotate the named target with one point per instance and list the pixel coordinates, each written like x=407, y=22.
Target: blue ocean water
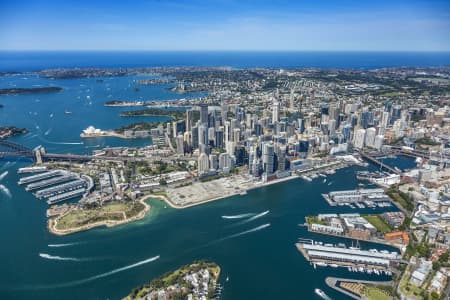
x=37, y=60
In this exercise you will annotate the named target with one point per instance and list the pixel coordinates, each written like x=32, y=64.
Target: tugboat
x=321, y=294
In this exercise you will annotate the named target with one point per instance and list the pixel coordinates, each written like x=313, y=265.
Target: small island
x=9, y=131
x=195, y=281
x=36, y=90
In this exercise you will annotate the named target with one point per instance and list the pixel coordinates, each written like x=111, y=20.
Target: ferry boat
x=321, y=294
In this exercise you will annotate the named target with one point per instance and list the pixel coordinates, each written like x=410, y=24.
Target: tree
x=162, y=181
x=444, y=257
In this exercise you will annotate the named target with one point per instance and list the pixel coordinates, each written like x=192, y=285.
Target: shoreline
x=109, y=133
x=332, y=283
x=53, y=222
x=166, y=199
x=380, y=242
x=173, y=205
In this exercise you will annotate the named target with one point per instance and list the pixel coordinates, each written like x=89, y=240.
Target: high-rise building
x=203, y=163
x=225, y=161
x=180, y=144
x=275, y=112
x=379, y=140
x=359, y=138
x=346, y=132
x=370, y=137
x=189, y=119
x=219, y=138
x=202, y=134
x=268, y=158
x=204, y=113
x=213, y=162
x=281, y=158
x=194, y=137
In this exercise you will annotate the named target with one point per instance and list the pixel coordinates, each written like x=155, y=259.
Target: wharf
x=52, y=181
x=27, y=170
x=38, y=177
x=65, y=196
x=59, y=189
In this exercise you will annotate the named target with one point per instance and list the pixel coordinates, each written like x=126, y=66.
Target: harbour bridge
x=13, y=150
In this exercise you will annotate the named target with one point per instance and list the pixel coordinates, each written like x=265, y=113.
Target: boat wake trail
x=78, y=282
x=62, y=245
x=261, y=227
x=5, y=191
x=3, y=175
x=255, y=217
x=48, y=131
x=58, y=143
x=241, y=216
x=54, y=257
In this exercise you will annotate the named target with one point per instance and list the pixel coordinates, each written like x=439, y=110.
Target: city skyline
x=226, y=25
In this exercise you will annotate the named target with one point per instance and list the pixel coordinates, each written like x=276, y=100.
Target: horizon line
x=220, y=50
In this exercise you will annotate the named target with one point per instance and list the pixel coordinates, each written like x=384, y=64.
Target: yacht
x=321, y=294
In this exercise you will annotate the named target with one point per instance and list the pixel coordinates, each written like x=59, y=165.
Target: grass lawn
x=313, y=219
x=379, y=223
x=407, y=288
x=373, y=293
x=113, y=212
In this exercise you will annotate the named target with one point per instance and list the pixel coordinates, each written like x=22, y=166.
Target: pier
x=352, y=258
x=65, y=196
x=48, y=182
x=60, y=189
x=38, y=177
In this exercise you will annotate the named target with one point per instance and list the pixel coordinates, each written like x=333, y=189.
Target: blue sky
x=338, y=25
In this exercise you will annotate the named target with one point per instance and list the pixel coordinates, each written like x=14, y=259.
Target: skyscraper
x=204, y=113
x=275, y=112
x=268, y=158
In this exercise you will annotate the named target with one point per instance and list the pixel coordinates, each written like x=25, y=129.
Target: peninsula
x=75, y=218
x=36, y=90
x=175, y=114
x=9, y=131
x=195, y=281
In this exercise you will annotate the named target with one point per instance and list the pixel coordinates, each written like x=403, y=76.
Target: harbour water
x=260, y=260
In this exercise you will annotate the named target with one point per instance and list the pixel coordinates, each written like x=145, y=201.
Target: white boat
x=321, y=294
x=334, y=265
x=321, y=264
